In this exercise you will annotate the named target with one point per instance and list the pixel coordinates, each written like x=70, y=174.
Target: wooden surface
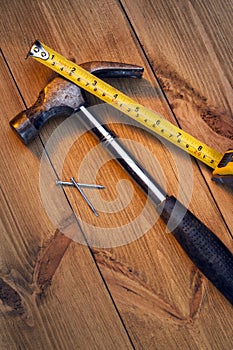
x=131, y=286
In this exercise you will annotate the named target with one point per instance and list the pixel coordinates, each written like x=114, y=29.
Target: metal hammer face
x=62, y=98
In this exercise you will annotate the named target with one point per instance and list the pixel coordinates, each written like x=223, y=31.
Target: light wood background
x=132, y=288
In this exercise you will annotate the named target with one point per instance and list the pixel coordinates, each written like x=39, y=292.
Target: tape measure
x=125, y=104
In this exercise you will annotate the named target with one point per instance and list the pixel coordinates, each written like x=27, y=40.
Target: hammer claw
x=113, y=69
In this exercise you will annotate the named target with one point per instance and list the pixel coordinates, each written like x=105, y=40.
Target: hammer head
x=62, y=98
x=59, y=97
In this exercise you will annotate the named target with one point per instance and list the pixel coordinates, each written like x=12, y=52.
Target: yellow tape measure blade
x=125, y=104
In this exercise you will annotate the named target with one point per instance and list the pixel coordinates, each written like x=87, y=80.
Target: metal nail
x=84, y=196
x=66, y=183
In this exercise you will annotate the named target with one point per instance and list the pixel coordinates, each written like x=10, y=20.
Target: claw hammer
x=61, y=97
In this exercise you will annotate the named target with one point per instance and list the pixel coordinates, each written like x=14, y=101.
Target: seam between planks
x=76, y=219
x=136, y=38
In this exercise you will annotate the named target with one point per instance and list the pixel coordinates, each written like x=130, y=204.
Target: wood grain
x=155, y=298
x=38, y=311
x=188, y=45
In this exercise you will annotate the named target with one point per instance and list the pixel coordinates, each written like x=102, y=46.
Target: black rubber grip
x=207, y=252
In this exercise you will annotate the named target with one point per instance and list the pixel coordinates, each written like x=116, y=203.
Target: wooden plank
x=189, y=46
x=51, y=292
x=163, y=300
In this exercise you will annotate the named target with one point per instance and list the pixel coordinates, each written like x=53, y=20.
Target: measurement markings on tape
x=125, y=104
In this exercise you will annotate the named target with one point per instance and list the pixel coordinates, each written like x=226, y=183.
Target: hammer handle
x=207, y=252
x=202, y=246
